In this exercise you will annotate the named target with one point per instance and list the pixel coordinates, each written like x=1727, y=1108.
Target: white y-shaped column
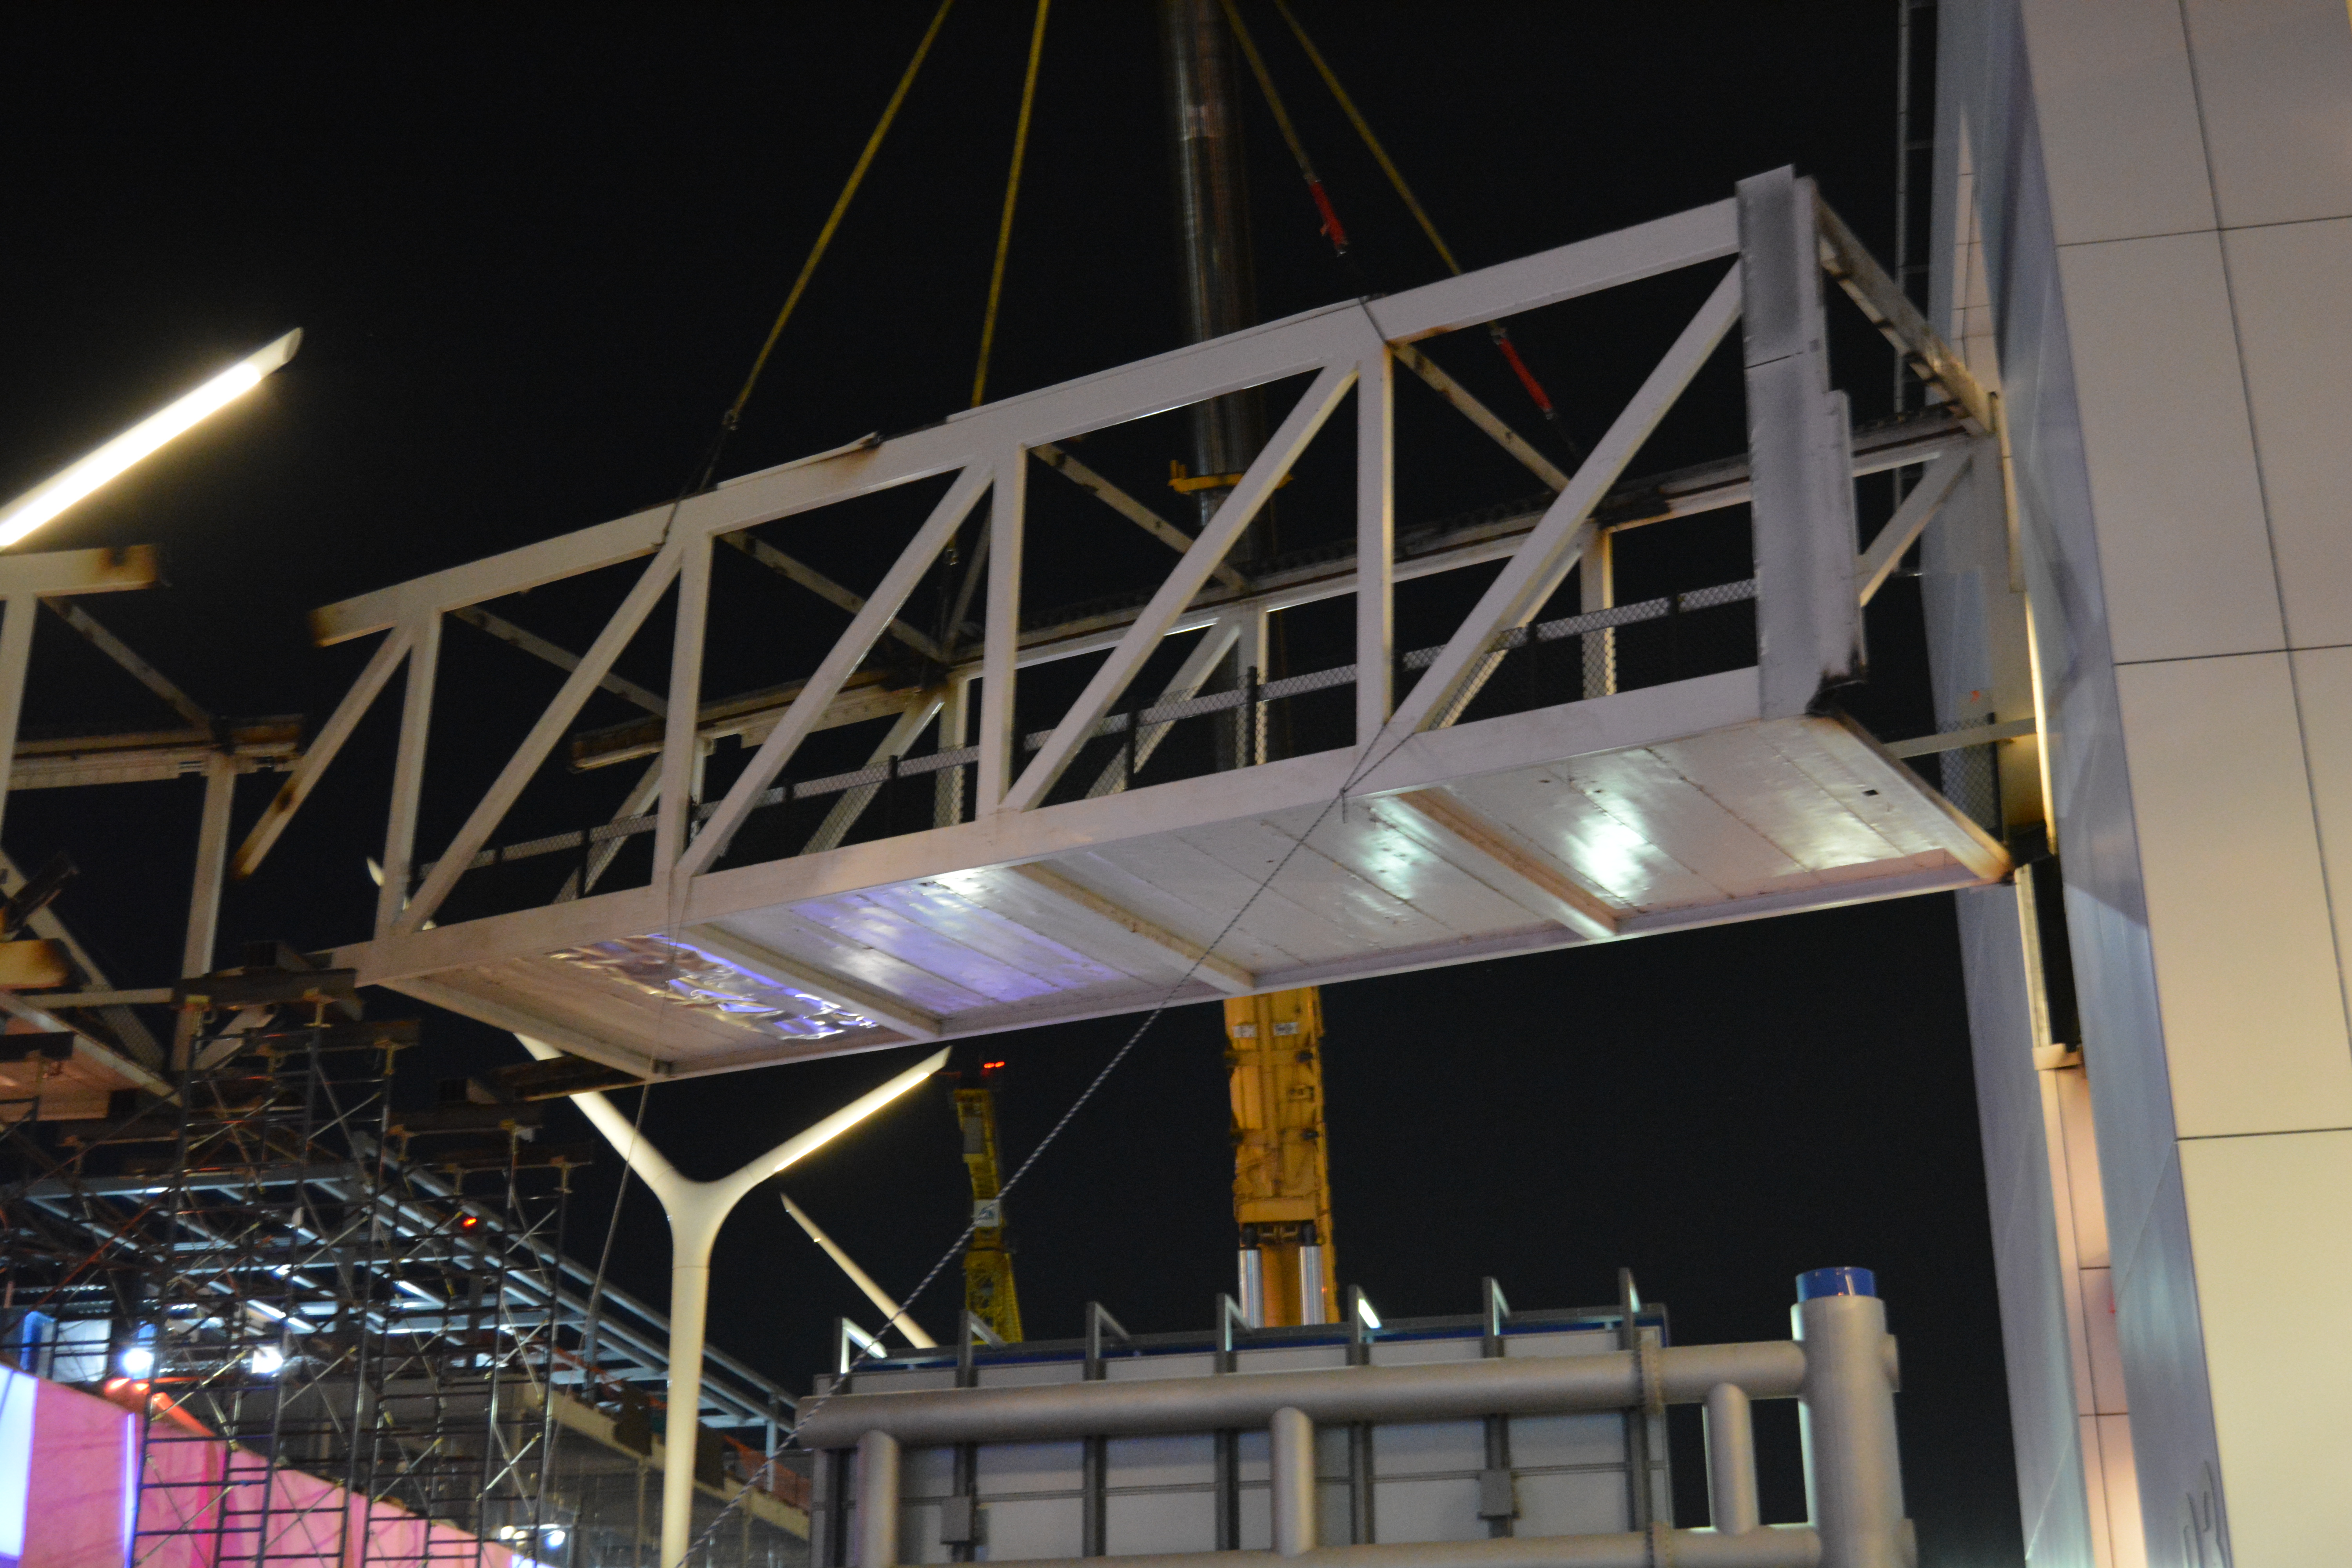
x=696, y=1211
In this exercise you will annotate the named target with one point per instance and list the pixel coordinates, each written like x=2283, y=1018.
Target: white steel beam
x=1809, y=626
x=1544, y=560
x=1463, y=400
x=1128, y=506
x=637, y=803
x=1565, y=272
x=139, y=669
x=212, y=866
x=681, y=748
x=896, y=742
x=562, y=659
x=1596, y=580
x=407, y=774
x=1000, y=638
x=847, y=654
x=15, y=656
x=1222, y=973
x=58, y=573
x=1533, y=881
x=321, y=750
x=1872, y=568
x=509, y=786
x=826, y=588
x=1376, y=539
x=1186, y=683
x=1306, y=417
x=1544, y=736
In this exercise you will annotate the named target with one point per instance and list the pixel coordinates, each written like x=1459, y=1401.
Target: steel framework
x=1612, y=786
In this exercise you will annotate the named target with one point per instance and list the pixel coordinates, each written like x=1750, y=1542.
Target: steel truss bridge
x=1099, y=822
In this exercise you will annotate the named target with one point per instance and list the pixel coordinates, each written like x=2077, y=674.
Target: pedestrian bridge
x=958, y=817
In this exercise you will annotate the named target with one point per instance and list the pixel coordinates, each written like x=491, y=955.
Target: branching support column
x=696, y=1210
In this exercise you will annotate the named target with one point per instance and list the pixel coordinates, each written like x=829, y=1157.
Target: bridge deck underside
x=1621, y=816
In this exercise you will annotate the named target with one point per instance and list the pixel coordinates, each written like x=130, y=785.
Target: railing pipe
x=1853, y=1475
x=1445, y=1392
x=1291, y=1480
x=878, y=1500
x=1731, y=1461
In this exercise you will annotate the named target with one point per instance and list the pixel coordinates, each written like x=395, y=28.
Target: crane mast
x=1282, y=1184
x=1282, y=1171
x=987, y=1292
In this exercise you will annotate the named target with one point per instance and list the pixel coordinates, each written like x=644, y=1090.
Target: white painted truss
x=1058, y=877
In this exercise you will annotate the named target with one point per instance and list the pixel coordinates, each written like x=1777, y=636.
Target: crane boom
x=987, y=1292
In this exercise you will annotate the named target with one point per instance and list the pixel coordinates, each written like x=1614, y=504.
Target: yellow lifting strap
x=1364, y=128
x=840, y=207
x=1011, y=194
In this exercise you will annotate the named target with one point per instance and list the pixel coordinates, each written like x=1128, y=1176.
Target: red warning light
x=469, y=1222
x=990, y=1066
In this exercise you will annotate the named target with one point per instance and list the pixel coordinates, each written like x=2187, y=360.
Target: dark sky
x=533, y=248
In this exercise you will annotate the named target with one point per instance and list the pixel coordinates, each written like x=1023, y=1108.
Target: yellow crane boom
x=987, y=1292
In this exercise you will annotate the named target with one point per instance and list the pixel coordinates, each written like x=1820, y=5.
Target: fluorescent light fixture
x=1365, y=1314
x=137, y=1360
x=799, y=1148
x=268, y=1361
x=62, y=490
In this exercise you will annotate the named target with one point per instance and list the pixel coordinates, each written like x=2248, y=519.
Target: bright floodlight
x=268, y=1361
x=53, y=495
x=136, y=1361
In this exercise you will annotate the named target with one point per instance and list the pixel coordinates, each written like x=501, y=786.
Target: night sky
x=532, y=251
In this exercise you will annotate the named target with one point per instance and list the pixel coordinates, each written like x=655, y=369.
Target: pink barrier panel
x=70, y=1474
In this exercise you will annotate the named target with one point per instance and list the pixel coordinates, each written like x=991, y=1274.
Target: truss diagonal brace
x=826, y=588
x=321, y=750
x=1306, y=417
x=552, y=723
x=1873, y=565
x=1128, y=506
x=847, y=654
x=1543, y=561
x=562, y=659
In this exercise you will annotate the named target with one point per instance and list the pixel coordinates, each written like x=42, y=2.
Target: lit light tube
x=62, y=490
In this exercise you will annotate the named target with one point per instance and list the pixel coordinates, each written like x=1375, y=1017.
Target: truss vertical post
x=1000, y=745
x=212, y=863
x=15, y=654
x=1799, y=453
x=681, y=748
x=407, y=774
x=1375, y=543
x=1596, y=579
x=947, y=784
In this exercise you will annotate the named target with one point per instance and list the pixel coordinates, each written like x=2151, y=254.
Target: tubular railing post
x=1853, y=1476
x=1731, y=1461
x=1291, y=1480
x=878, y=1500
